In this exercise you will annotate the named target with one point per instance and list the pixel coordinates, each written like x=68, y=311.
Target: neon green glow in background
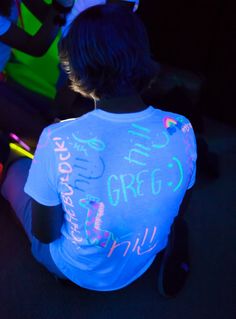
x=37, y=74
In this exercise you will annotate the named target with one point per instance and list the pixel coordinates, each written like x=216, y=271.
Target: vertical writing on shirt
x=139, y=152
x=189, y=146
x=65, y=169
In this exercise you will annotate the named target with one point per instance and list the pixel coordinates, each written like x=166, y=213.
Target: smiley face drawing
x=171, y=165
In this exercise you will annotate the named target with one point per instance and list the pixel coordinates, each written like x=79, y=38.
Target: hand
x=66, y=3
x=133, y=4
x=63, y=6
x=81, y=5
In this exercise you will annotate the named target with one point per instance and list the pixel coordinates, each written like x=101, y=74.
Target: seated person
x=103, y=190
x=16, y=101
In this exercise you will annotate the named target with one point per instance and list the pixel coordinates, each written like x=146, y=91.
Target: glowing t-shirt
x=120, y=179
x=5, y=23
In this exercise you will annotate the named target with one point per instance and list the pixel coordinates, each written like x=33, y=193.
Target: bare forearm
x=38, y=8
x=37, y=44
x=43, y=39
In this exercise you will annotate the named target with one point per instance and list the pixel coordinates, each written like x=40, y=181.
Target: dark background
x=198, y=36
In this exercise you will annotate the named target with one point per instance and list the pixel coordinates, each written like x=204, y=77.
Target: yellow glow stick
x=20, y=150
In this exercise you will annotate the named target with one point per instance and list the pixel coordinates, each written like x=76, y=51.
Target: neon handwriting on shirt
x=65, y=170
x=165, y=142
x=140, y=152
x=93, y=143
x=125, y=184
x=190, y=150
x=94, y=233
x=170, y=165
x=86, y=172
x=72, y=220
x=136, y=151
x=140, y=246
x=186, y=127
x=80, y=148
x=128, y=186
x=142, y=131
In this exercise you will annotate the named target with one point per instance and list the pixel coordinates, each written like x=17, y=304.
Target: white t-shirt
x=120, y=179
x=5, y=23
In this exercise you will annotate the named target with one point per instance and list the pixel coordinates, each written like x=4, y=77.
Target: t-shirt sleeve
x=191, y=149
x=189, y=140
x=41, y=184
x=4, y=25
x=193, y=177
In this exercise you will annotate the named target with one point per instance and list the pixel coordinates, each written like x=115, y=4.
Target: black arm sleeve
x=38, y=8
x=46, y=222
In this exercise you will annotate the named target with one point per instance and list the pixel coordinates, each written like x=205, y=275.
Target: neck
x=122, y=104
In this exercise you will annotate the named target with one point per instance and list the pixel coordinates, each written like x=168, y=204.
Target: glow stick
x=20, y=150
x=18, y=140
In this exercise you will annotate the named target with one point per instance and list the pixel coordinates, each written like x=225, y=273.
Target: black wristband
x=58, y=7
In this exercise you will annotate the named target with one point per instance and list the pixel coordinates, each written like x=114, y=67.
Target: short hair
x=106, y=51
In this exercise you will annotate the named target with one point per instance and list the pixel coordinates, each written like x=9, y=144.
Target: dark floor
x=27, y=291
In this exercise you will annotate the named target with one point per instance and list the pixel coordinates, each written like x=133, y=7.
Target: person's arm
x=38, y=44
x=35, y=45
x=46, y=222
x=38, y=8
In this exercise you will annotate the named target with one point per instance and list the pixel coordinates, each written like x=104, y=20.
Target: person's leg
x=13, y=191
x=175, y=262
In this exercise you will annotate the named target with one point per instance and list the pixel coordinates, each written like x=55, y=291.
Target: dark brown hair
x=106, y=51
